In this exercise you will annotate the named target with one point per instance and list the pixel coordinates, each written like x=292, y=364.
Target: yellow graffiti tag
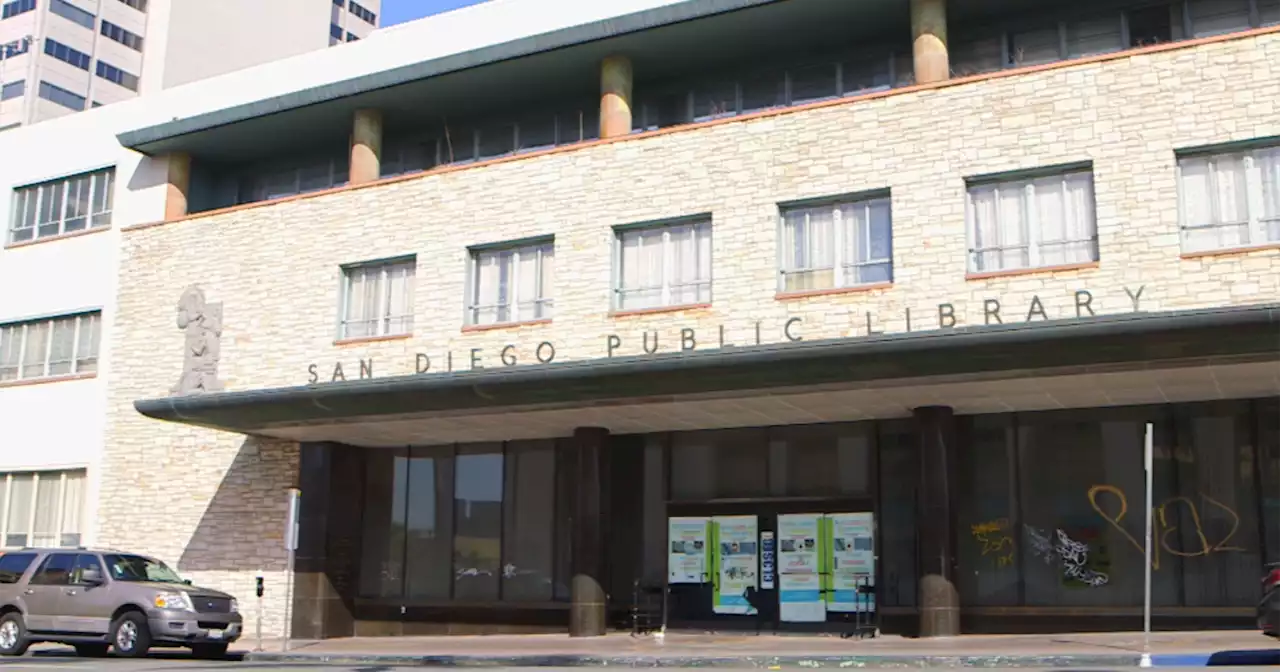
x=994, y=537
x=1162, y=527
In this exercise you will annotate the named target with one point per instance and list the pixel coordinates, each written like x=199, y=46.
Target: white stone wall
x=275, y=268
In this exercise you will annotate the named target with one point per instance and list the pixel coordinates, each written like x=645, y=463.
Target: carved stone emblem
x=201, y=325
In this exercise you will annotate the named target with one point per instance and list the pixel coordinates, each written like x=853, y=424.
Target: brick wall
x=275, y=268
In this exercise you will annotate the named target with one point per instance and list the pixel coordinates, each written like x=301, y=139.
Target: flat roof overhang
x=1217, y=353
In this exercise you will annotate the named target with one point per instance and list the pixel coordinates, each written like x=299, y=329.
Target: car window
x=139, y=568
x=55, y=570
x=14, y=565
x=85, y=561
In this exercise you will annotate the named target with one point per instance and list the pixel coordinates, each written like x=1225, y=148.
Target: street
x=182, y=663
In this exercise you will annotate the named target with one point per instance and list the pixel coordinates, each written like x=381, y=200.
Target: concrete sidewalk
x=1169, y=649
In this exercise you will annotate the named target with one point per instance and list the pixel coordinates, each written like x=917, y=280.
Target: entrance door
x=826, y=567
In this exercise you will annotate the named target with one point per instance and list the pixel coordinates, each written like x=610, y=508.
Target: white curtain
x=547, y=281
x=398, y=310
x=72, y=509
x=526, y=285
x=642, y=269
x=1269, y=174
x=867, y=242
x=691, y=264
x=809, y=249
x=490, y=289
x=87, y=346
x=78, y=197
x=10, y=351
x=363, y=288
x=48, y=494
x=37, y=347
x=1215, y=202
x=1065, y=219
x=21, y=493
x=999, y=227
x=103, y=196
x=63, y=346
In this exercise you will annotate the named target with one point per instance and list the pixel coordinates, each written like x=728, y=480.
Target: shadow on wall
x=242, y=530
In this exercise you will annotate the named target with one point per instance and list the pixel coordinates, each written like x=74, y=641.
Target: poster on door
x=737, y=563
x=798, y=549
x=800, y=567
x=687, y=552
x=853, y=562
x=800, y=598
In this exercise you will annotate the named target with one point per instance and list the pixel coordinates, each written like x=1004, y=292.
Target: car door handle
x=71, y=591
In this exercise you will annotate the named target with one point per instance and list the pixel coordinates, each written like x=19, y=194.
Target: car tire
x=130, y=635
x=209, y=651
x=13, y=635
x=92, y=650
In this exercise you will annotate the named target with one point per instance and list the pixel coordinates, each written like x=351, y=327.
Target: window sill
x=48, y=379
x=1225, y=251
x=808, y=293
x=659, y=310
x=471, y=328
x=61, y=236
x=985, y=275
x=371, y=339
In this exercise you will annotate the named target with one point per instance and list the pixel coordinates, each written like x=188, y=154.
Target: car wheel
x=13, y=635
x=91, y=650
x=209, y=651
x=130, y=635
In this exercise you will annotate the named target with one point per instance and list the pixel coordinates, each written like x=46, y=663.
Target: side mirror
x=187, y=581
x=91, y=576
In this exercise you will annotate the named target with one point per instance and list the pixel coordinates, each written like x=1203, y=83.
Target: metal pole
x=1147, y=463
x=291, y=545
x=259, y=589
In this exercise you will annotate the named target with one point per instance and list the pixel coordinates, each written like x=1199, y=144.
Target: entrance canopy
x=1136, y=358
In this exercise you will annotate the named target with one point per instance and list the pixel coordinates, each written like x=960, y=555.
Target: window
x=511, y=284
x=1088, y=37
x=62, y=206
x=13, y=90
x=15, y=48
x=113, y=74
x=55, y=570
x=61, y=96
x=351, y=37
x=128, y=39
x=43, y=508
x=1229, y=199
x=1035, y=46
x=66, y=54
x=335, y=31
x=477, y=508
x=72, y=13
x=1032, y=223
x=377, y=299
x=14, y=565
x=1268, y=12
x=340, y=3
x=50, y=348
x=140, y=5
x=291, y=179
x=16, y=7
x=1217, y=17
x=663, y=265
x=364, y=14
x=842, y=244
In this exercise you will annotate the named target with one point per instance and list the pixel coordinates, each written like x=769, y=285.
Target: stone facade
x=214, y=502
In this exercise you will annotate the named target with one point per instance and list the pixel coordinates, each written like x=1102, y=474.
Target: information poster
x=737, y=563
x=768, y=560
x=687, y=554
x=800, y=568
x=853, y=562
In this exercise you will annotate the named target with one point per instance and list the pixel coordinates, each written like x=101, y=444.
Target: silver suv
x=96, y=600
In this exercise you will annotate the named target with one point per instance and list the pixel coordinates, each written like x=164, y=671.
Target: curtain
x=527, y=285
x=37, y=348
x=10, y=351
x=1000, y=240
x=691, y=264
x=87, y=346
x=72, y=508
x=1269, y=174
x=78, y=196
x=51, y=208
x=642, y=269
x=809, y=248
x=398, y=311
x=63, y=346
x=363, y=288
x=48, y=491
x=868, y=242
x=546, y=281
x=21, y=493
x=489, y=289
x=1065, y=218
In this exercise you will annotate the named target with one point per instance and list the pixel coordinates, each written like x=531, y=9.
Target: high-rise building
x=63, y=56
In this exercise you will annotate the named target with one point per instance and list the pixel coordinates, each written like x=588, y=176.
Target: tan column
x=366, y=147
x=177, y=185
x=929, y=40
x=615, y=97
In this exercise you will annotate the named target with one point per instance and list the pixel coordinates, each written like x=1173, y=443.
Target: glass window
x=85, y=561
x=529, y=522
x=512, y=284
x=719, y=464
x=430, y=523
x=49, y=348
x=113, y=74
x=1031, y=223
x=72, y=13
x=22, y=491
x=140, y=568
x=14, y=565
x=16, y=7
x=667, y=265
x=899, y=478
x=477, y=509
x=114, y=32
x=11, y=90
x=813, y=82
x=1267, y=422
x=843, y=244
x=866, y=74
x=1088, y=37
x=496, y=140
x=48, y=498
x=43, y=508
x=987, y=513
x=55, y=570
x=819, y=461
x=1218, y=17
x=70, y=529
x=66, y=54
x=763, y=90
x=62, y=206
x=377, y=299
x=386, y=499
x=538, y=132
x=715, y=99
x=1229, y=199
x=1033, y=47
x=1268, y=12
x=411, y=155
x=974, y=56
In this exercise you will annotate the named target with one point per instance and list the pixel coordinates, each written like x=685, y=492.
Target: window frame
x=544, y=306
x=1256, y=225
x=81, y=320
x=840, y=267
x=33, y=195
x=6, y=501
x=383, y=320
x=666, y=226
x=1026, y=180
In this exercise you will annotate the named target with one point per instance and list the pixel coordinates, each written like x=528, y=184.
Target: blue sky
x=399, y=11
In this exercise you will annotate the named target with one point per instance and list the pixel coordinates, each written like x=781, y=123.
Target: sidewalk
x=1181, y=649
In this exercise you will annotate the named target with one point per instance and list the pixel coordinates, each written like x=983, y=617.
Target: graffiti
x=995, y=540
x=1073, y=556
x=1164, y=517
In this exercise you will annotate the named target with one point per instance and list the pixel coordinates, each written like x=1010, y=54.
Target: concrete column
x=587, y=600
x=177, y=185
x=929, y=40
x=366, y=147
x=939, y=600
x=615, y=97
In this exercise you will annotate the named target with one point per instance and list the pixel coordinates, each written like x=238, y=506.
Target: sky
x=399, y=11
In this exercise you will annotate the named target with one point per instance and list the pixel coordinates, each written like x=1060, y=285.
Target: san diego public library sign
x=861, y=324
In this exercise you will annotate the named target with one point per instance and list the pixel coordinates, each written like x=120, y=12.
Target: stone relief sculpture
x=201, y=324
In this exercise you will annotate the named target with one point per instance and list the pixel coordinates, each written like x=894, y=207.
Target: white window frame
x=544, y=306
x=61, y=514
x=1034, y=241
x=24, y=329
x=841, y=267
x=1257, y=222
x=699, y=225
x=31, y=198
x=385, y=318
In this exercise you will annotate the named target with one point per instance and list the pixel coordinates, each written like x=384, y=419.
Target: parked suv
x=97, y=600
